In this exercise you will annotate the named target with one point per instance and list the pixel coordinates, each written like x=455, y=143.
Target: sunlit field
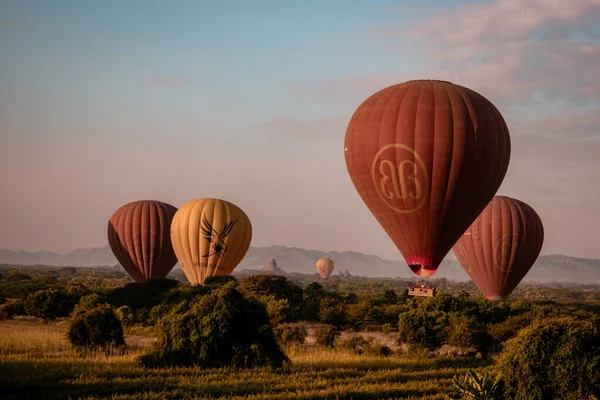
x=36, y=361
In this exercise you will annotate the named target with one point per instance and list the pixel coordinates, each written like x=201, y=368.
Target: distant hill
x=549, y=268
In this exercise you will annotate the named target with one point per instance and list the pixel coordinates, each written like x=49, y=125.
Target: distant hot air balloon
x=138, y=235
x=426, y=157
x=500, y=247
x=210, y=238
x=325, y=267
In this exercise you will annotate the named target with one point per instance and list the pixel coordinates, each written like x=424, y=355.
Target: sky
x=107, y=102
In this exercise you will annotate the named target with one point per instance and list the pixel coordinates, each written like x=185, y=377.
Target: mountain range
x=548, y=268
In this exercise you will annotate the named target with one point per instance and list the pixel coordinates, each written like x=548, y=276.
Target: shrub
x=291, y=334
x=421, y=328
x=274, y=287
x=220, y=329
x=486, y=311
x=125, y=315
x=355, y=344
x=86, y=303
x=141, y=295
x=311, y=300
x=326, y=335
x=217, y=281
x=387, y=328
x=279, y=310
x=97, y=327
x=47, y=304
x=379, y=350
x=15, y=307
x=331, y=311
x=557, y=358
x=459, y=331
x=508, y=329
x=390, y=296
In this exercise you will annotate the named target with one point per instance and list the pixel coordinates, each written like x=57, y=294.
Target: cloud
x=511, y=51
x=320, y=129
x=165, y=81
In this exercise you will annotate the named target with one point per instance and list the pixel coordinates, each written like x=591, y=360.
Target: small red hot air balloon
x=426, y=157
x=500, y=247
x=139, y=237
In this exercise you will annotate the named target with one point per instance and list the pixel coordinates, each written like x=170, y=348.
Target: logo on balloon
x=400, y=178
x=505, y=247
x=218, y=246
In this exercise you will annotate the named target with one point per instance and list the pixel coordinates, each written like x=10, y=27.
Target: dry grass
x=36, y=361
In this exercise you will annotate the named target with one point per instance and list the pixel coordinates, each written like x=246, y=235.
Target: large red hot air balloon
x=500, y=247
x=139, y=236
x=426, y=157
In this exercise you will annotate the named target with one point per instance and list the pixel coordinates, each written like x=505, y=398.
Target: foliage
x=47, y=304
x=390, y=296
x=12, y=308
x=125, y=315
x=218, y=281
x=326, y=335
x=96, y=327
x=486, y=311
x=359, y=345
x=141, y=295
x=332, y=311
x=459, y=331
x=281, y=296
x=222, y=328
x=422, y=328
x=86, y=303
x=291, y=334
x=475, y=386
x=311, y=301
x=279, y=310
x=556, y=358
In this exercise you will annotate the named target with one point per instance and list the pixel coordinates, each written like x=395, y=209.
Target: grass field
x=36, y=361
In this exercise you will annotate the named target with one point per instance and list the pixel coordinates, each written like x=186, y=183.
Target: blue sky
x=107, y=102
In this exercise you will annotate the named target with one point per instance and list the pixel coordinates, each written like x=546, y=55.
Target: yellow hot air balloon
x=210, y=237
x=325, y=267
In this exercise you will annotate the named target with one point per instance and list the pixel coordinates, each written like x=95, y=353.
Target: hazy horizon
x=110, y=102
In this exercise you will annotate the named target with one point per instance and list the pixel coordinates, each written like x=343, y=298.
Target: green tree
x=390, y=296
x=332, y=311
x=291, y=334
x=420, y=328
x=125, y=315
x=47, y=304
x=274, y=288
x=311, y=301
x=327, y=334
x=557, y=358
x=222, y=328
x=279, y=310
x=459, y=331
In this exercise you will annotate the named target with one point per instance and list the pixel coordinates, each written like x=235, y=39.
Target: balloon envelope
x=325, y=267
x=426, y=157
x=210, y=238
x=138, y=235
x=500, y=247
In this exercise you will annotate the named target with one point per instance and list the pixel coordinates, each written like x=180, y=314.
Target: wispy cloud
x=165, y=81
x=508, y=50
